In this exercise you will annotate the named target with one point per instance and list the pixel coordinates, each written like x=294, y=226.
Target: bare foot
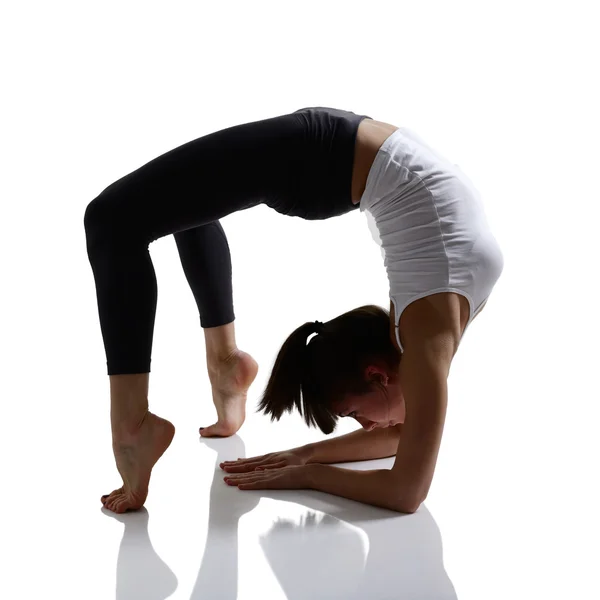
x=230, y=390
x=135, y=455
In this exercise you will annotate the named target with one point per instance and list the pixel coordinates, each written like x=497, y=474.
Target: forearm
x=370, y=487
x=354, y=446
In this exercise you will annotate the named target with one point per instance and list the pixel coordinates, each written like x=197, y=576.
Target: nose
x=366, y=424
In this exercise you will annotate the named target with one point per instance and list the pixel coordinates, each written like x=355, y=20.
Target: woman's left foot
x=136, y=454
x=230, y=383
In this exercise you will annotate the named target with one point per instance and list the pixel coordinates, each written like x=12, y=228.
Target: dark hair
x=312, y=376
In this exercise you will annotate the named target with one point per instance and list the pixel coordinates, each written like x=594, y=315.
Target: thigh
x=203, y=180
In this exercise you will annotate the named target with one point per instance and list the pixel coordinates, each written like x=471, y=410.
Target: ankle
x=220, y=345
x=221, y=360
x=125, y=426
x=234, y=375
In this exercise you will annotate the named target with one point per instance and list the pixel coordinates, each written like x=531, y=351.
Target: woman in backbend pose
x=388, y=370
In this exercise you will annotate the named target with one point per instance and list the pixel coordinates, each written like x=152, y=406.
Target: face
x=383, y=407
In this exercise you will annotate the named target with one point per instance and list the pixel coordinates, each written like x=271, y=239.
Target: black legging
x=300, y=164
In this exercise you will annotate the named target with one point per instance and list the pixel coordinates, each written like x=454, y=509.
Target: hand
x=273, y=460
x=293, y=477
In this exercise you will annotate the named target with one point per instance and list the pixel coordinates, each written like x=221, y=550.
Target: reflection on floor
x=312, y=545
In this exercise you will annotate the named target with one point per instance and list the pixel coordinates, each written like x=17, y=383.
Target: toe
x=112, y=503
x=121, y=501
x=218, y=430
x=108, y=498
x=124, y=503
x=210, y=431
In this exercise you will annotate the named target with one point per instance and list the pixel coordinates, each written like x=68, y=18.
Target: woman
x=316, y=163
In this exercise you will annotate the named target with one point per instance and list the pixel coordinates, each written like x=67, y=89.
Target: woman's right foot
x=230, y=383
x=136, y=453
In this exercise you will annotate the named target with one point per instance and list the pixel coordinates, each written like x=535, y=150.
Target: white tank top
x=431, y=224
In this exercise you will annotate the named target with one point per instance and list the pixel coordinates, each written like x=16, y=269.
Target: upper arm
x=429, y=337
x=425, y=390
x=432, y=323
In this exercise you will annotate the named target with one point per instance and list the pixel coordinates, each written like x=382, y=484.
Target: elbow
x=405, y=507
x=407, y=503
x=404, y=497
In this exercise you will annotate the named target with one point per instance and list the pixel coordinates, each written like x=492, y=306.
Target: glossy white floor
x=513, y=511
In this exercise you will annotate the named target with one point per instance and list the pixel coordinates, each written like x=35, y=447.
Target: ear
x=373, y=372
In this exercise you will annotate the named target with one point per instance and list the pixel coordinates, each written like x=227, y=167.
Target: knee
x=89, y=216
x=92, y=214
x=92, y=218
x=97, y=221
x=100, y=211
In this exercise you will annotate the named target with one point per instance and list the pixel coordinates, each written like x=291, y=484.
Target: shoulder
x=433, y=324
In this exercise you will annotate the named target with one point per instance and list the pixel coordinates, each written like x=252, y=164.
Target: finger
x=263, y=470
x=243, y=467
x=263, y=483
x=256, y=484
x=242, y=461
x=245, y=477
x=239, y=468
x=267, y=466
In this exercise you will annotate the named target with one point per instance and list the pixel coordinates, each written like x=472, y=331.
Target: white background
x=91, y=91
